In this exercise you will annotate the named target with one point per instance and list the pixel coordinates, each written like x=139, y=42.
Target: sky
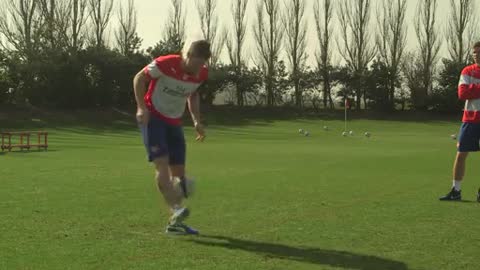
x=153, y=14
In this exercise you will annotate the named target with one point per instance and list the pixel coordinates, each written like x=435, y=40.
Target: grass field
x=267, y=198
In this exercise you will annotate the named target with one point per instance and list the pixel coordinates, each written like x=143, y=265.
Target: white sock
x=176, y=207
x=456, y=185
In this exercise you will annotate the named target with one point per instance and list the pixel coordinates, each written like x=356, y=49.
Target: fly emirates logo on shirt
x=175, y=88
x=177, y=91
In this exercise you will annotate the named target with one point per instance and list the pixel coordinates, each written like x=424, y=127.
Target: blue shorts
x=162, y=139
x=469, y=138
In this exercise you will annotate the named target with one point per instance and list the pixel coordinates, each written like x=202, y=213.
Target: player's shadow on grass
x=318, y=256
x=467, y=201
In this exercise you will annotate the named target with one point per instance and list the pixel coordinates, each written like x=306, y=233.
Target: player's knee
x=161, y=164
x=161, y=170
x=462, y=156
x=163, y=180
x=177, y=170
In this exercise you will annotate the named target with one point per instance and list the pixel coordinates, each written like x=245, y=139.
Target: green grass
x=267, y=198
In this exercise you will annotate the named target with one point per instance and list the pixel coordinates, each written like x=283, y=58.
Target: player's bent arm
x=194, y=107
x=468, y=91
x=140, y=82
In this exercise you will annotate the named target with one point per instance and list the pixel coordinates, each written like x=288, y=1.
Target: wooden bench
x=24, y=141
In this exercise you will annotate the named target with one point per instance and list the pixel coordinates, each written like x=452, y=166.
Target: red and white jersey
x=170, y=87
x=469, y=90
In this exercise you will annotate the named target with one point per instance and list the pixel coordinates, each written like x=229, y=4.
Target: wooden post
x=9, y=142
x=28, y=141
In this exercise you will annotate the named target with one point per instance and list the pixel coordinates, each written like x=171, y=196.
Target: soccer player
x=172, y=82
x=468, y=141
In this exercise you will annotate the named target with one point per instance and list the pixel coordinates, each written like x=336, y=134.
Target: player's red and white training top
x=469, y=90
x=170, y=87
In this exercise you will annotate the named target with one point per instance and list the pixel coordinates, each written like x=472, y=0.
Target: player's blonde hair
x=196, y=46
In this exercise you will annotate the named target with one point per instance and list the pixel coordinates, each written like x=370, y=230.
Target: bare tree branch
x=208, y=20
x=296, y=33
x=259, y=29
x=391, y=38
x=358, y=52
x=78, y=19
x=323, y=25
x=100, y=15
x=21, y=25
x=268, y=35
x=176, y=24
x=429, y=47
x=218, y=46
x=235, y=43
x=459, y=32
x=126, y=35
x=209, y=26
x=55, y=16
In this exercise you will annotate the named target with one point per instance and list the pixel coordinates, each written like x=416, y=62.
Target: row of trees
x=54, y=53
x=57, y=53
